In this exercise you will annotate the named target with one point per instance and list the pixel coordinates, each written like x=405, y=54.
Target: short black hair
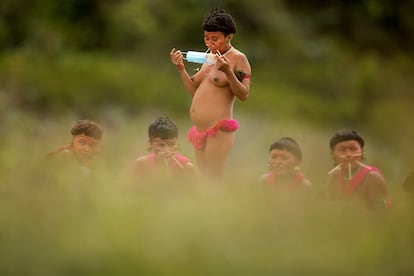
x=289, y=144
x=219, y=21
x=87, y=127
x=164, y=128
x=346, y=135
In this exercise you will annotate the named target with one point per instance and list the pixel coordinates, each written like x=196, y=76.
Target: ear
x=229, y=37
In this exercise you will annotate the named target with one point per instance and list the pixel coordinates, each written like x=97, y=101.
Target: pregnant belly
x=205, y=116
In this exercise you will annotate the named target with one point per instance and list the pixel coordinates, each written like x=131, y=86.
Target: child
x=163, y=160
x=285, y=157
x=85, y=145
x=351, y=178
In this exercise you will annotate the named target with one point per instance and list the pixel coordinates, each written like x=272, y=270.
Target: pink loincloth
x=199, y=138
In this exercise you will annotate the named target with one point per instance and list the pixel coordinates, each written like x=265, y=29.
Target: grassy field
x=103, y=226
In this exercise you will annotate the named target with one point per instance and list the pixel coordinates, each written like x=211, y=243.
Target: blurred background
x=317, y=67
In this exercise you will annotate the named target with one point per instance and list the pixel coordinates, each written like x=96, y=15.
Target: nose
x=210, y=44
x=278, y=161
x=349, y=152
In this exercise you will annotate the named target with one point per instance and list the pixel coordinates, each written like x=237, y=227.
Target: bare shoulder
x=239, y=54
x=141, y=162
x=240, y=57
x=65, y=154
x=374, y=183
x=241, y=65
x=307, y=183
x=263, y=178
x=191, y=167
x=376, y=177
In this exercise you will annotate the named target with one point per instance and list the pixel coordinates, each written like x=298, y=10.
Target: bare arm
x=140, y=166
x=189, y=82
x=193, y=171
x=376, y=191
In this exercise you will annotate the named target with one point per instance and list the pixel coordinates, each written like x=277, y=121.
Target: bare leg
x=212, y=159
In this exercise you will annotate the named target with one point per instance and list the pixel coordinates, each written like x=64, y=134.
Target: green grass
x=105, y=226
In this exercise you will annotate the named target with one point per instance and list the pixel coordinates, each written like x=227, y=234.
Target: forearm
x=376, y=192
x=177, y=60
x=187, y=81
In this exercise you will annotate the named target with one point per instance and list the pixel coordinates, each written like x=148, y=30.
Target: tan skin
x=372, y=190
x=214, y=89
x=164, y=151
x=283, y=164
x=84, y=148
x=78, y=155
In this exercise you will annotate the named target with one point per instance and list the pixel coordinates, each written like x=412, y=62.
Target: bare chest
x=215, y=77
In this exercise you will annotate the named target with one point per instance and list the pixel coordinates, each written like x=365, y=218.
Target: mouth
x=276, y=168
x=213, y=49
x=164, y=154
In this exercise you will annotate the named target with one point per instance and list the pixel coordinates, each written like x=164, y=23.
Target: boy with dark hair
x=85, y=145
x=163, y=161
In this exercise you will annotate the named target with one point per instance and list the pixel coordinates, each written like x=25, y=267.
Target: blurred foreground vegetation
x=317, y=68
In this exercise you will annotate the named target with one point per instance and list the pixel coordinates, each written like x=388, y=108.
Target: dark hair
x=87, y=127
x=219, y=21
x=289, y=144
x=164, y=128
x=346, y=135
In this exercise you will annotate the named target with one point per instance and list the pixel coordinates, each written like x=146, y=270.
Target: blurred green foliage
x=317, y=66
x=332, y=62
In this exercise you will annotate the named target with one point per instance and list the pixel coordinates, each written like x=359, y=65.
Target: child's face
x=164, y=147
x=282, y=162
x=85, y=146
x=348, y=152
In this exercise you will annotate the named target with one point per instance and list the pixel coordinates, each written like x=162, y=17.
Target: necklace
x=228, y=51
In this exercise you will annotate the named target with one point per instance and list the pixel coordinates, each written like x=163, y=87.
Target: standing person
x=350, y=178
x=163, y=162
x=284, y=173
x=214, y=89
x=78, y=155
